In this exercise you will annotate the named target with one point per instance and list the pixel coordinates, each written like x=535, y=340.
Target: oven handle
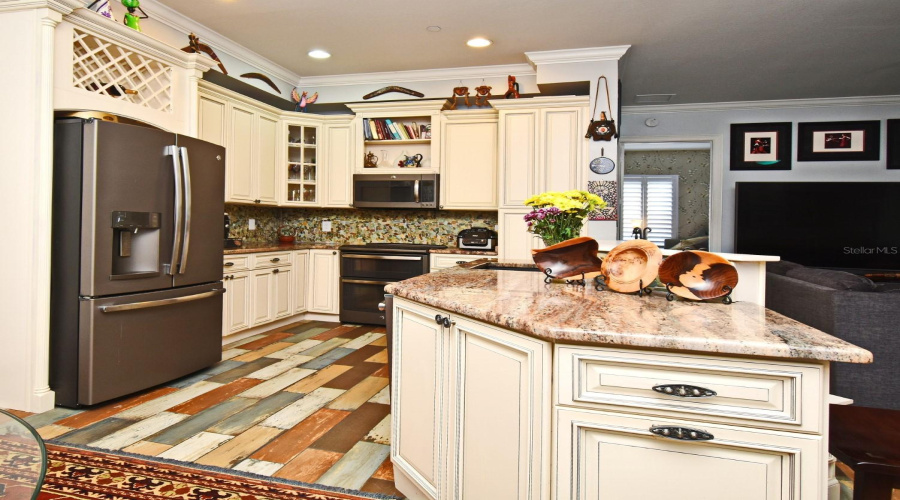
x=416, y=191
x=367, y=282
x=379, y=257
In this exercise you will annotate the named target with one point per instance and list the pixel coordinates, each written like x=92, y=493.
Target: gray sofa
x=852, y=308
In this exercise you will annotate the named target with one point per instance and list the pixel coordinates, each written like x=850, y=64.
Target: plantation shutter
x=653, y=200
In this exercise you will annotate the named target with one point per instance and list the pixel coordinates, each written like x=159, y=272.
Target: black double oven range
x=367, y=269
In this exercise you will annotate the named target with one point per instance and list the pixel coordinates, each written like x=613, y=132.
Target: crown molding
x=177, y=21
x=888, y=100
x=61, y=6
x=538, y=102
x=589, y=54
x=419, y=75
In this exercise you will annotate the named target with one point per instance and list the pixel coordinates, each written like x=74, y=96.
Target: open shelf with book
x=392, y=131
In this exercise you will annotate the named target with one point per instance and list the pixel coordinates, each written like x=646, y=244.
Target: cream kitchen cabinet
x=479, y=411
x=541, y=148
x=271, y=283
x=609, y=456
x=340, y=152
x=469, y=159
x=446, y=260
x=251, y=136
x=301, y=281
x=471, y=408
x=324, y=281
x=236, y=309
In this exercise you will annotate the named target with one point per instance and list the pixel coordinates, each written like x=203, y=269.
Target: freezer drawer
x=132, y=342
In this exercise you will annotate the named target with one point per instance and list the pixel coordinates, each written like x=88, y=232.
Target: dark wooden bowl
x=570, y=258
x=285, y=239
x=698, y=275
x=631, y=264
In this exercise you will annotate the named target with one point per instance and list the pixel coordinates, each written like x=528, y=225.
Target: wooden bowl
x=698, y=275
x=631, y=264
x=285, y=239
x=570, y=258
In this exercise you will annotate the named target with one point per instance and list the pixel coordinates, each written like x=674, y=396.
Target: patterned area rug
x=20, y=466
x=75, y=473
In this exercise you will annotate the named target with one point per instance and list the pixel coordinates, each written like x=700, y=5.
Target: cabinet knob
x=334, y=252
x=381, y=306
x=438, y=319
x=446, y=322
x=276, y=271
x=257, y=201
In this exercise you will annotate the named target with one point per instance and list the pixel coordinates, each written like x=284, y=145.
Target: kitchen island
x=506, y=387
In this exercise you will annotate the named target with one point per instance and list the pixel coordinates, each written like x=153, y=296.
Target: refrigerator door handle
x=158, y=303
x=186, y=168
x=179, y=209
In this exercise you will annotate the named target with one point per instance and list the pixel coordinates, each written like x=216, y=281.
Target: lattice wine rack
x=108, y=69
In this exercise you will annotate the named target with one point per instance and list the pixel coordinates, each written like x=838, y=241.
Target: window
x=650, y=201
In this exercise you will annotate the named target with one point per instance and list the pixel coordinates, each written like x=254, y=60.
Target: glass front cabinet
x=301, y=166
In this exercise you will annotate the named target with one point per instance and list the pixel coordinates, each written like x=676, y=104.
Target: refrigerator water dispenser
x=135, y=245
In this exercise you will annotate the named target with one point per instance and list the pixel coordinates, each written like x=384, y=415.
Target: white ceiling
x=701, y=50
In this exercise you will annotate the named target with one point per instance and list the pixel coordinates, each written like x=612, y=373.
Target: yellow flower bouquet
x=559, y=216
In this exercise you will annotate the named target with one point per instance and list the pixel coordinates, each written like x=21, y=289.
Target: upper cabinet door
x=470, y=164
x=339, y=157
x=211, y=124
x=561, y=157
x=239, y=155
x=518, y=153
x=266, y=153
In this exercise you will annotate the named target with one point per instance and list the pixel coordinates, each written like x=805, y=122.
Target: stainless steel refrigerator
x=136, y=291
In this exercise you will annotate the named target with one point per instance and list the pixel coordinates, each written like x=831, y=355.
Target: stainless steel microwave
x=396, y=191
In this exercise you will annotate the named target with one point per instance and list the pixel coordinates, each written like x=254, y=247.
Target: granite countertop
x=520, y=301
x=258, y=247
x=464, y=251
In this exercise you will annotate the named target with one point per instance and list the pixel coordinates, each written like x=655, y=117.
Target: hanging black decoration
x=603, y=129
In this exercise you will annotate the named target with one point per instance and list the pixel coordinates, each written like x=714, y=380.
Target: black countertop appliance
x=477, y=238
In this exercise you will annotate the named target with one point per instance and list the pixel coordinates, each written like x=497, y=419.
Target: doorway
x=673, y=187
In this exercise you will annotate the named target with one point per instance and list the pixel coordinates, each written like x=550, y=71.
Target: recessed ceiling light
x=319, y=54
x=433, y=29
x=479, y=42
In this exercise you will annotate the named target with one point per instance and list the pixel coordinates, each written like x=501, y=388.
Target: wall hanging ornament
x=603, y=129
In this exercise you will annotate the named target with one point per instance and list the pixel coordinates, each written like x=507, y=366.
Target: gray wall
x=675, y=122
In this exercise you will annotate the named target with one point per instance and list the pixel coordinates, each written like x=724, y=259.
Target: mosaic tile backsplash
x=353, y=226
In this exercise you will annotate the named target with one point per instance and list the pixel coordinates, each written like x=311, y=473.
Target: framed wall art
x=893, y=144
x=839, y=141
x=761, y=146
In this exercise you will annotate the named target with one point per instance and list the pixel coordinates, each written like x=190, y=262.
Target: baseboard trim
x=234, y=337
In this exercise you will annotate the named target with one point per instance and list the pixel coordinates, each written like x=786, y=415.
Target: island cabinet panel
x=763, y=394
x=609, y=456
x=417, y=401
x=499, y=423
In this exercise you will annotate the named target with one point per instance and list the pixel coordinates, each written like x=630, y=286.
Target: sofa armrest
x=805, y=302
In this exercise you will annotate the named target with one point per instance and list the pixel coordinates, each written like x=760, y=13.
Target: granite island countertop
x=568, y=314
x=269, y=246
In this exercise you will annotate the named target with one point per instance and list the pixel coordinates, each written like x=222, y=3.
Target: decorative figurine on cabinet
x=457, y=93
x=513, y=92
x=195, y=45
x=482, y=96
x=133, y=20
x=102, y=7
x=302, y=100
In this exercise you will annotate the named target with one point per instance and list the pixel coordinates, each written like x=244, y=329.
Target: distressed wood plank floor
x=307, y=402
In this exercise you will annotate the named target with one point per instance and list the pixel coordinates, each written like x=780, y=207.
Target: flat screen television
x=839, y=225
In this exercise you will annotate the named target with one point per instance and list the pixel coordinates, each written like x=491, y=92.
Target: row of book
x=378, y=129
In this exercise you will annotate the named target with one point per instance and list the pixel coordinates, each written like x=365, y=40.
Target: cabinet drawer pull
x=276, y=259
x=684, y=391
x=681, y=433
x=460, y=262
x=229, y=264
